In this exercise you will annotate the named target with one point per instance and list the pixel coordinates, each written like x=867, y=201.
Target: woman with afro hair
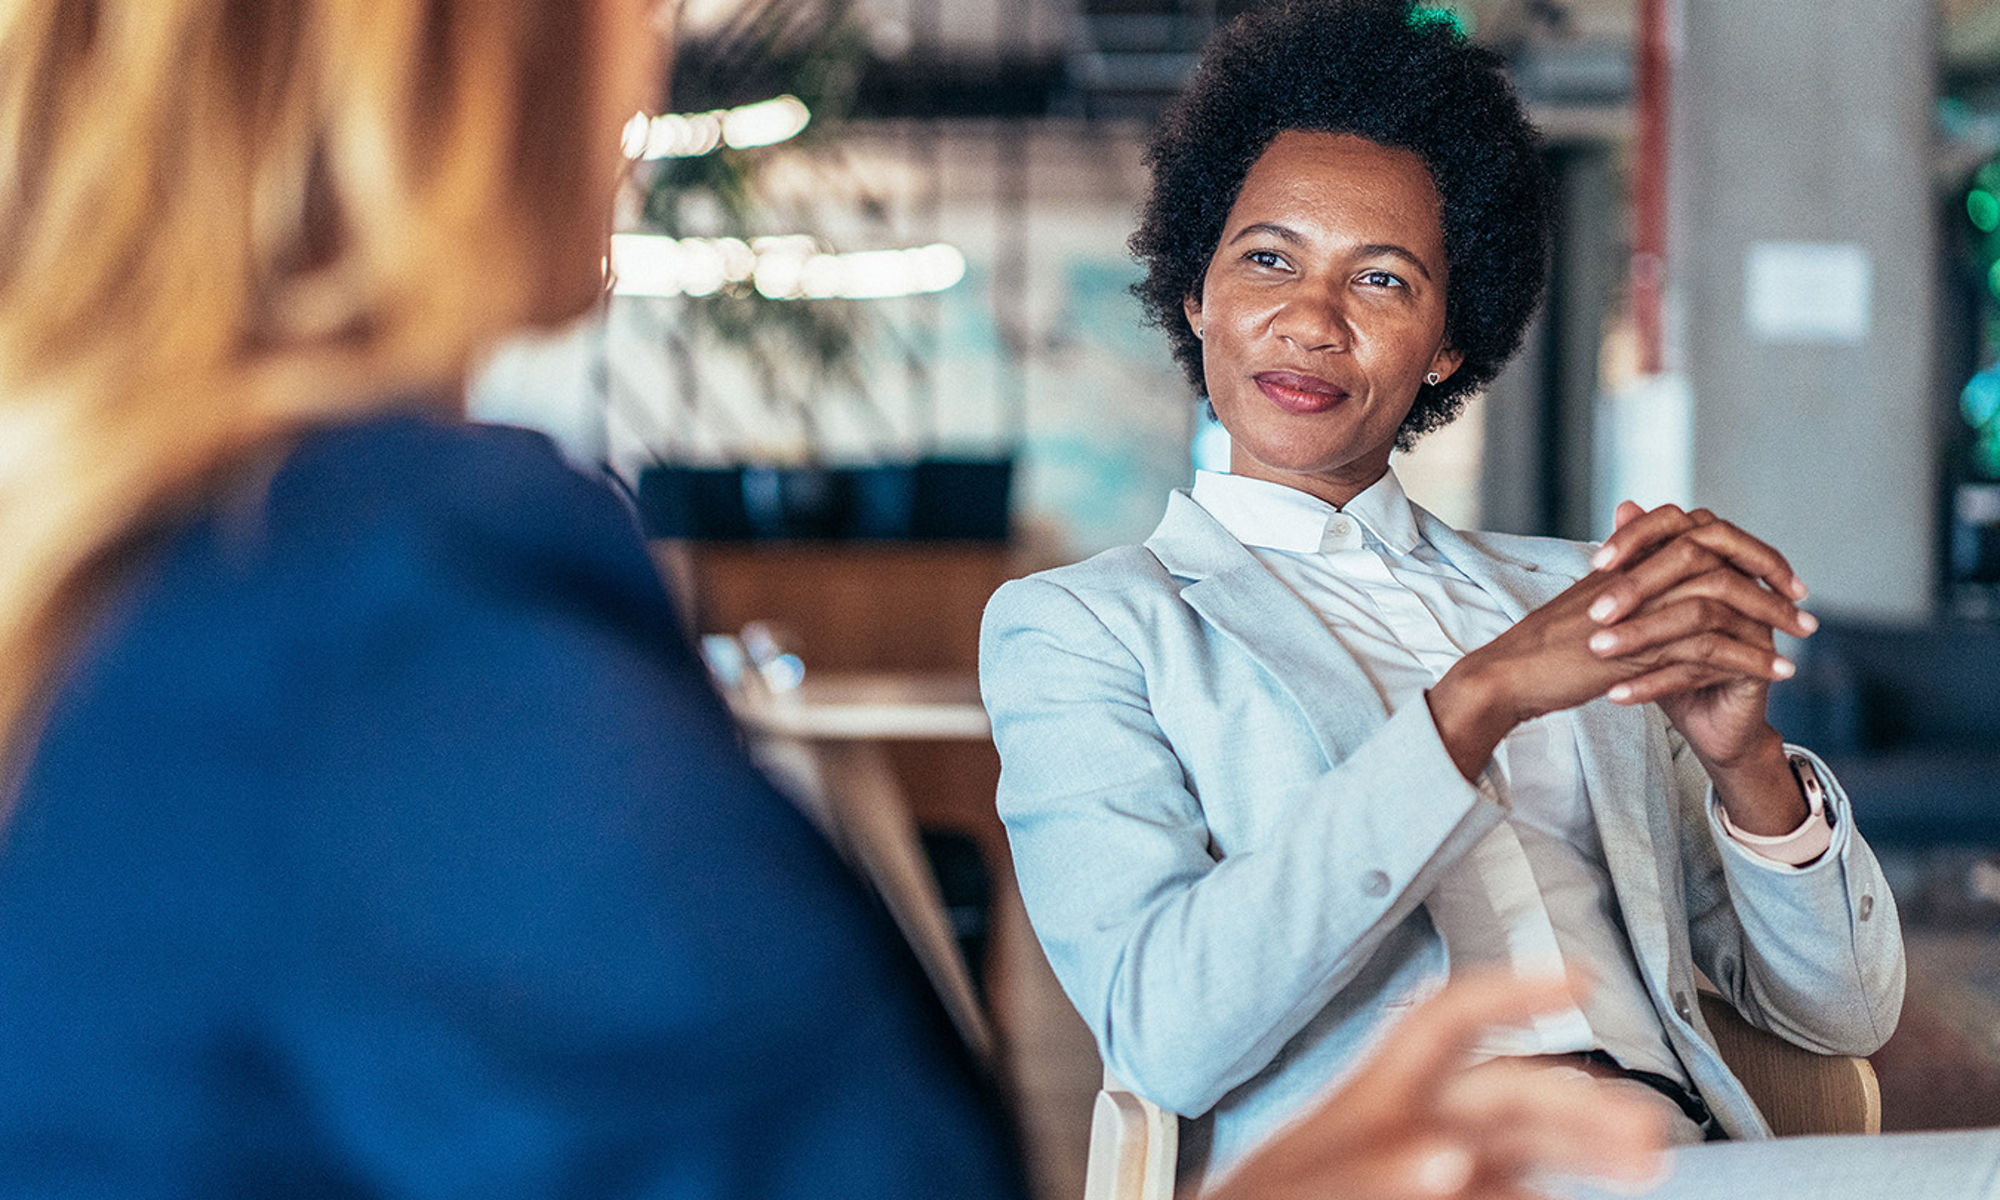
x=1275, y=775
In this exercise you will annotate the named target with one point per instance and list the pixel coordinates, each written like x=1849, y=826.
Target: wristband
x=1801, y=845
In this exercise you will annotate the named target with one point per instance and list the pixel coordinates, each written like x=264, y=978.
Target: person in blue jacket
x=395, y=801
x=368, y=828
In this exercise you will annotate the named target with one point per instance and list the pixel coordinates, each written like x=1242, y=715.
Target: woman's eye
x=1380, y=279
x=1265, y=258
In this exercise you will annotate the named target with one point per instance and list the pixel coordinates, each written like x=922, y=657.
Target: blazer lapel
x=1238, y=596
x=1519, y=585
x=1611, y=745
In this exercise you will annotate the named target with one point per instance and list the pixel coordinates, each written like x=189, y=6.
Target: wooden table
x=827, y=735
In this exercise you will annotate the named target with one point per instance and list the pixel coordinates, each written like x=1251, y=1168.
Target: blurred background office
x=871, y=352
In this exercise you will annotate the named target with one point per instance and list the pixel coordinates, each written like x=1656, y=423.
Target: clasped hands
x=1680, y=609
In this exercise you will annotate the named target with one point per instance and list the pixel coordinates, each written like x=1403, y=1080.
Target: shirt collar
x=1258, y=512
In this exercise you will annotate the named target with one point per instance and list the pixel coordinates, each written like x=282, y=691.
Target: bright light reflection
x=765, y=123
x=691, y=135
x=633, y=139
x=793, y=267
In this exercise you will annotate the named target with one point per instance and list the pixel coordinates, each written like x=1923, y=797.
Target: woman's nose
x=1313, y=320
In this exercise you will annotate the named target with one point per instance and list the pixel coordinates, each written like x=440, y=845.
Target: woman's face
x=1322, y=310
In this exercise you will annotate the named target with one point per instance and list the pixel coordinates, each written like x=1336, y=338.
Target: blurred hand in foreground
x=1415, y=1122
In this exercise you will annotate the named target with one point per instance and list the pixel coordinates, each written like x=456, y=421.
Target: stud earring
x=1433, y=378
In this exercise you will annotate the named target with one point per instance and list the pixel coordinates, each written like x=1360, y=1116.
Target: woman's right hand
x=1728, y=590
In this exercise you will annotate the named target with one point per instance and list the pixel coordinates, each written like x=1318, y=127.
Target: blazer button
x=1375, y=883
x=1682, y=1008
x=1867, y=905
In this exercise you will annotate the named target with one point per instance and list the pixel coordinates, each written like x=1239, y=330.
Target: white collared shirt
x=1534, y=894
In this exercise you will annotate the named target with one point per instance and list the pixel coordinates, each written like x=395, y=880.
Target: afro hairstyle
x=1398, y=74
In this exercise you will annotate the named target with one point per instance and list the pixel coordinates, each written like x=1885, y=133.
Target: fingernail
x=1620, y=692
x=1798, y=588
x=1603, y=641
x=1603, y=557
x=1808, y=622
x=1601, y=607
x=1445, y=1172
x=1783, y=668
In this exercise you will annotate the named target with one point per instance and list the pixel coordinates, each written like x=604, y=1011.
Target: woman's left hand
x=1719, y=711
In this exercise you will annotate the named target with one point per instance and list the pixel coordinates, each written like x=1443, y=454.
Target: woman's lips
x=1298, y=393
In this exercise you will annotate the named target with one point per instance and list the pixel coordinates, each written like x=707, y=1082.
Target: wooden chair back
x=1798, y=1092
x=1134, y=1146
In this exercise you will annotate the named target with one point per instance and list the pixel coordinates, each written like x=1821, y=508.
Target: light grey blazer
x=1224, y=839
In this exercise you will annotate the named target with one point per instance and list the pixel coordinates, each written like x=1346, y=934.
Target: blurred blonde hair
x=225, y=221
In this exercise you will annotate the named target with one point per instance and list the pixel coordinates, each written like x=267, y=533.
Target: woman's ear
x=1446, y=362
x=1191, y=308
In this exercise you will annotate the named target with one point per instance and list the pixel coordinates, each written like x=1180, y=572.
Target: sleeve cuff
x=1804, y=845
